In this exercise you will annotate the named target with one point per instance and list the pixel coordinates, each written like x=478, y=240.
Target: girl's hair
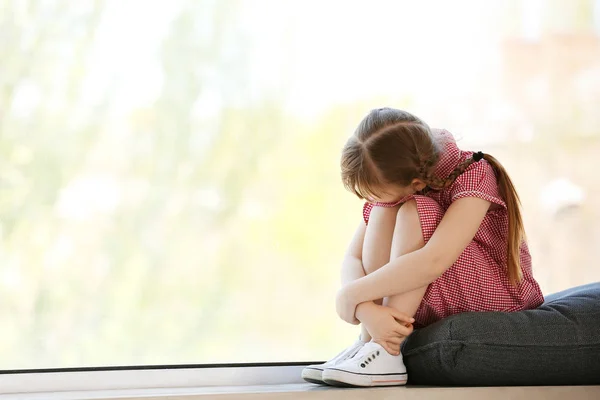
x=393, y=147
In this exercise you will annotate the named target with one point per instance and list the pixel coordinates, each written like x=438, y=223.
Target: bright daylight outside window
x=170, y=176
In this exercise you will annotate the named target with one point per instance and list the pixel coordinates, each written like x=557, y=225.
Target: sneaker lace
x=348, y=355
x=353, y=353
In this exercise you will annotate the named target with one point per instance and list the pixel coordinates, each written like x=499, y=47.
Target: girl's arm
x=419, y=268
x=352, y=267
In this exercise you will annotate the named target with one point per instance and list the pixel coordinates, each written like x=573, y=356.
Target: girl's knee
x=382, y=215
x=408, y=214
x=421, y=214
x=408, y=235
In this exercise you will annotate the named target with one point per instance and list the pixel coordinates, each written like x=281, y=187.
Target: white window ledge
x=242, y=382
x=309, y=391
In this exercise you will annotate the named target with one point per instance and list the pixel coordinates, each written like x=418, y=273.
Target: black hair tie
x=477, y=156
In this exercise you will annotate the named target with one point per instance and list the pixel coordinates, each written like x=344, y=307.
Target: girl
x=442, y=234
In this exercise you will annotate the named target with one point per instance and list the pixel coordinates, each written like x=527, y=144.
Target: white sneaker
x=313, y=373
x=371, y=366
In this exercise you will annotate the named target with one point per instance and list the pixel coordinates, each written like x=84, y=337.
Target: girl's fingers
x=394, y=340
x=387, y=347
x=401, y=317
x=391, y=345
x=395, y=349
x=403, y=330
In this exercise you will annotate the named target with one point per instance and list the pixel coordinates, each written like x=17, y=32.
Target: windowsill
x=309, y=391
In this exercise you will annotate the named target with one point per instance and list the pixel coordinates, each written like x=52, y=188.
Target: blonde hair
x=393, y=147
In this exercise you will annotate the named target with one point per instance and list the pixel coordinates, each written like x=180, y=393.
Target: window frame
x=150, y=377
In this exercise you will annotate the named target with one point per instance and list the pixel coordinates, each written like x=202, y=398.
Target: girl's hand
x=387, y=326
x=346, y=306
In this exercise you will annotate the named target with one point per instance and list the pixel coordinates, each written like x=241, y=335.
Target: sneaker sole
x=313, y=375
x=336, y=377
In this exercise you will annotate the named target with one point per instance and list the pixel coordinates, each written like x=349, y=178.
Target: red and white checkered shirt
x=477, y=281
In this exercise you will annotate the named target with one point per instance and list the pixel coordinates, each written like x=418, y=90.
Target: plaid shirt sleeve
x=479, y=180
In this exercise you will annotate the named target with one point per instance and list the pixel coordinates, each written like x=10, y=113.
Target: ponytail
x=516, y=230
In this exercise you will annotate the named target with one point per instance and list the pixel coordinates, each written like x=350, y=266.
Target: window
x=170, y=179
